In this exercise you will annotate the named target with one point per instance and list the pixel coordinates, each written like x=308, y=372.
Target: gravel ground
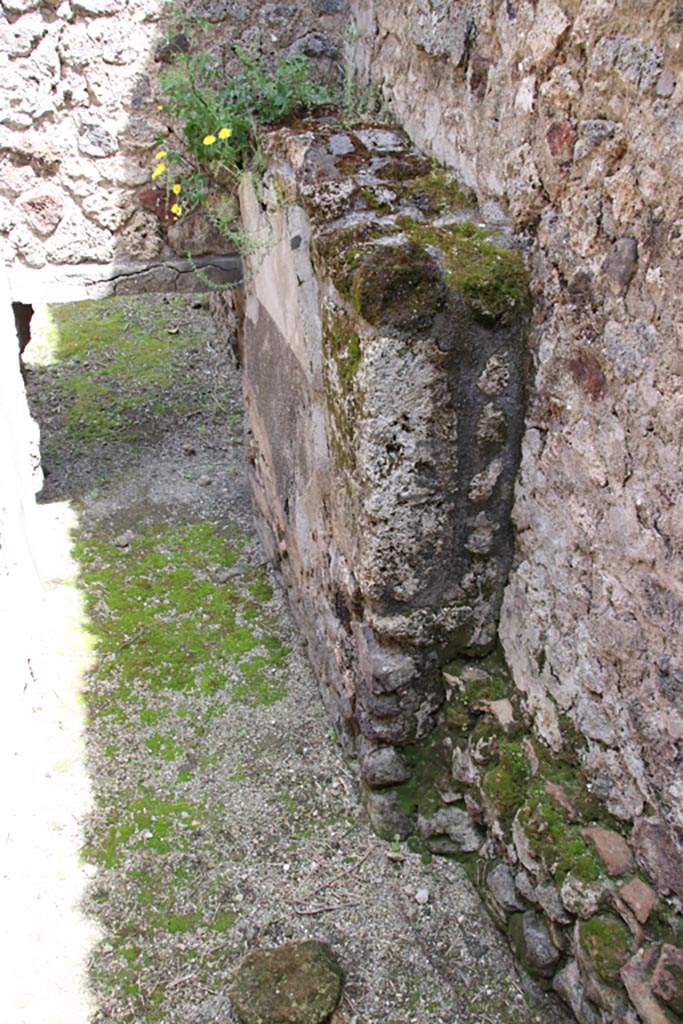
x=221, y=814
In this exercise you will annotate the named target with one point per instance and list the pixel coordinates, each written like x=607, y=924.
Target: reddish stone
x=588, y=374
x=640, y=898
x=659, y=855
x=634, y=975
x=560, y=139
x=667, y=980
x=611, y=848
x=157, y=200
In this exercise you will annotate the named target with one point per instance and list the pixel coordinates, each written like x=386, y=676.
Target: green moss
x=372, y=201
x=429, y=763
x=144, y=611
x=343, y=352
x=339, y=252
x=118, y=360
x=436, y=189
x=506, y=784
x=149, y=822
x=163, y=747
x=398, y=286
x=556, y=841
x=493, y=281
x=607, y=941
x=223, y=921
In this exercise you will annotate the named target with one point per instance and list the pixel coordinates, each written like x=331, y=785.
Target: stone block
x=640, y=898
x=404, y=349
x=659, y=854
x=611, y=848
x=298, y=981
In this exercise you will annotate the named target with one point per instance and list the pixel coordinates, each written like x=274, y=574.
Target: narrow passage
x=222, y=816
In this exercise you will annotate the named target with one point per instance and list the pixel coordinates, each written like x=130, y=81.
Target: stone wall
x=80, y=123
x=565, y=119
x=384, y=365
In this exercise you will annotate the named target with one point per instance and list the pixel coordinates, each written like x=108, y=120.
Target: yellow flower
x=160, y=155
x=159, y=169
x=176, y=190
x=225, y=133
x=177, y=210
x=209, y=140
x=160, y=107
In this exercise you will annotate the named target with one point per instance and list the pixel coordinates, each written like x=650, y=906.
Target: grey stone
x=567, y=983
x=541, y=951
x=581, y=898
x=97, y=141
x=316, y=44
x=341, y=144
x=621, y=262
x=451, y=830
x=501, y=885
x=382, y=141
x=383, y=766
x=549, y=900
x=666, y=84
x=386, y=814
x=525, y=887
x=297, y=983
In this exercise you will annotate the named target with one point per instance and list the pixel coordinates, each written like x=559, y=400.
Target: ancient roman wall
x=565, y=120
x=80, y=124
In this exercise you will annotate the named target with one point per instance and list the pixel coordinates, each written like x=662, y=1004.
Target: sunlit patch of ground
x=46, y=793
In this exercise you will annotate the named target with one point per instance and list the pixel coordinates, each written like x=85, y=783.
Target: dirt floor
x=186, y=799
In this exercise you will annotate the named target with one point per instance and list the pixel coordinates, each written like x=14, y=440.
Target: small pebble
x=204, y=481
x=124, y=540
x=422, y=896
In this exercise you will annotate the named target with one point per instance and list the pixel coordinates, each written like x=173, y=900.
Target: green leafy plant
x=214, y=138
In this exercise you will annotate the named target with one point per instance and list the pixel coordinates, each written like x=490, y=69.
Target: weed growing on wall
x=217, y=139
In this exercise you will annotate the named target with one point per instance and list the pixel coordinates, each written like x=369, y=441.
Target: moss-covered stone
x=555, y=840
x=506, y=784
x=492, y=280
x=434, y=191
x=607, y=942
x=342, y=348
x=398, y=286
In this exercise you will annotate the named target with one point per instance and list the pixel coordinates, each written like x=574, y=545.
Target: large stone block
x=384, y=355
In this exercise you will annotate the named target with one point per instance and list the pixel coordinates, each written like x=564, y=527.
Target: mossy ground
x=222, y=815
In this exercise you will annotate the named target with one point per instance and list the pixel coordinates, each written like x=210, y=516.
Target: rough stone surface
x=659, y=855
x=541, y=950
x=562, y=119
x=640, y=898
x=667, y=978
x=636, y=978
x=501, y=885
x=612, y=849
x=297, y=983
x=369, y=363
x=451, y=830
x=82, y=106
